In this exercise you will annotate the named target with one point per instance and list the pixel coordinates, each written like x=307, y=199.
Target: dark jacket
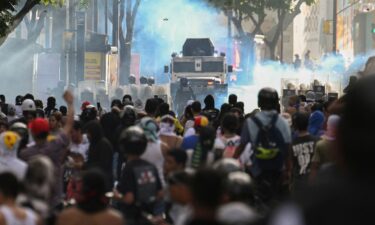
x=100, y=154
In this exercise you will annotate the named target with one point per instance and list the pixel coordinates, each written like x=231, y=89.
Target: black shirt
x=302, y=152
x=140, y=178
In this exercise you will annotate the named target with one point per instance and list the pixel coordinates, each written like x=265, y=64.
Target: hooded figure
x=210, y=109
x=100, y=154
x=9, y=142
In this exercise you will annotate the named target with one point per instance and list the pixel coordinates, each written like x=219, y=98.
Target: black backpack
x=269, y=147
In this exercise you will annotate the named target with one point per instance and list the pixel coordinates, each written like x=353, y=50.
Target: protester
x=100, y=154
x=303, y=149
x=139, y=186
x=55, y=149
x=167, y=133
x=10, y=212
x=9, y=143
x=92, y=205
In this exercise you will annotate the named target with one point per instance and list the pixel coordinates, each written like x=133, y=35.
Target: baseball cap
x=9, y=142
x=200, y=121
x=38, y=126
x=85, y=104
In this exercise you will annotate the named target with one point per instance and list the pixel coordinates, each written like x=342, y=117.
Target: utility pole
x=229, y=41
x=334, y=47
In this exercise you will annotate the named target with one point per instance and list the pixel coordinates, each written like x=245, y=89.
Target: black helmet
x=184, y=82
x=151, y=81
x=133, y=141
x=143, y=80
x=19, y=100
x=268, y=99
x=132, y=79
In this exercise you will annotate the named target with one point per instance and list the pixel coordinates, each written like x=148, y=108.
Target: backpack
x=269, y=147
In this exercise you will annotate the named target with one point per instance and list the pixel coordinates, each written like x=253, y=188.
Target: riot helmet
x=133, y=141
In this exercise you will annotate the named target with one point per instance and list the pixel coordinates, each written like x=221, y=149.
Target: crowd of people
x=309, y=162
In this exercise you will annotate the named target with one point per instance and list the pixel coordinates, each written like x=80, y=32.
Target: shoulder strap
x=257, y=122
x=274, y=120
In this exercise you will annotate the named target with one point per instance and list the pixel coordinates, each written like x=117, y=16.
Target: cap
x=9, y=142
x=84, y=105
x=200, y=121
x=38, y=126
x=28, y=105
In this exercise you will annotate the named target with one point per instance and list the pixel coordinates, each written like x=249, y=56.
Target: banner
x=93, y=66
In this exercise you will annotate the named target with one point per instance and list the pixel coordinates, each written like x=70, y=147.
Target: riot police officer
x=183, y=95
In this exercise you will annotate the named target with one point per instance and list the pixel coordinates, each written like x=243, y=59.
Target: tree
x=11, y=15
x=127, y=17
x=256, y=11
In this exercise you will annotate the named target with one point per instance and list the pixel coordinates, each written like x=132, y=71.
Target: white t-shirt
x=13, y=165
x=82, y=148
x=10, y=218
x=154, y=155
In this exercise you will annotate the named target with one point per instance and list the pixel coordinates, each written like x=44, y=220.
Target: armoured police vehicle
x=202, y=68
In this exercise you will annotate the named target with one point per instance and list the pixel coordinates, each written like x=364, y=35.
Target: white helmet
x=28, y=105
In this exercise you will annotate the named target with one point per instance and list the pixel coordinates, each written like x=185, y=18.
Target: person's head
x=332, y=124
x=150, y=129
x=22, y=131
x=178, y=183
x=18, y=100
x=28, y=96
x=200, y=122
x=237, y=112
x=127, y=98
x=63, y=110
x=9, y=143
x=207, y=188
x=163, y=109
x=90, y=113
x=268, y=99
x=39, y=129
x=94, y=131
x=9, y=187
x=175, y=160
x=209, y=101
x=116, y=103
x=51, y=102
x=28, y=109
x=300, y=121
x=232, y=99
x=55, y=121
x=188, y=113
x=196, y=107
x=224, y=109
x=38, y=104
x=356, y=128
x=240, y=105
x=151, y=106
x=92, y=195
x=317, y=107
x=2, y=99
x=133, y=141
x=76, y=133
x=11, y=110
x=167, y=125
x=230, y=123
x=128, y=117
x=240, y=187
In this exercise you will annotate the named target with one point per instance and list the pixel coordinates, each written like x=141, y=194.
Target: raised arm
x=69, y=99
